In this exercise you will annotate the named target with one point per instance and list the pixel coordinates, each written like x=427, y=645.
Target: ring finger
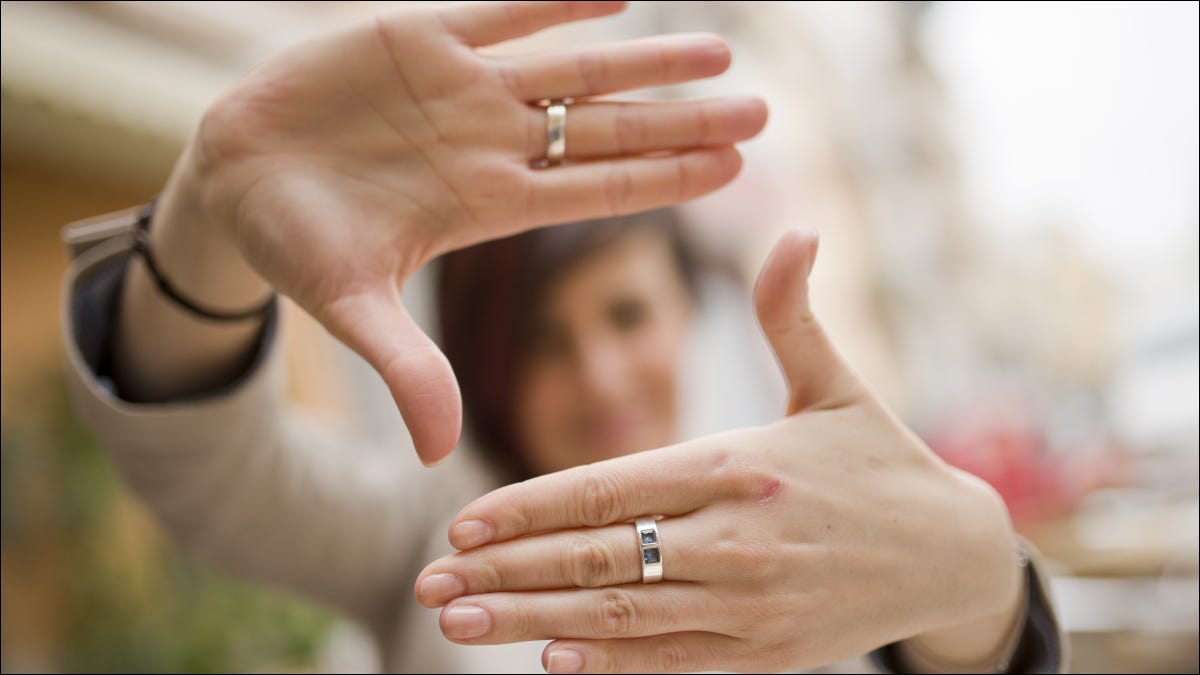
x=601, y=129
x=585, y=558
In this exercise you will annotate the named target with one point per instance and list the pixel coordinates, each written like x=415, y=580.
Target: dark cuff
x=95, y=305
x=1039, y=649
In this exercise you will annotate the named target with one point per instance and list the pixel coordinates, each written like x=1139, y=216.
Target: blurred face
x=601, y=375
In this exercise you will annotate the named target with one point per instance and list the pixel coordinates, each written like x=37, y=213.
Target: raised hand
x=339, y=168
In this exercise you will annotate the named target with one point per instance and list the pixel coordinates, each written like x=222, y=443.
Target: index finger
x=669, y=481
x=484, y=23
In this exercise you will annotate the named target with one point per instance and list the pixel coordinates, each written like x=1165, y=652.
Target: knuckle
x=600, y=503
x=769, y=613
x=534, y=134
x=629, y=129
x=665, y=65
x=617, y=614
x=703, y=124
x=618, y=188
x=755, y=560
x=759, y=557
x=516, y=621
x=521, y=519
x=731, y=476
x=606, y=658
x=593, y=71
x=739, y=477
x=488, y=573
x=512, y=509
x=721, y=458
x=669, y=655
x=588, y=564
x=512, y=81
x=725, y=556
x=683, y=179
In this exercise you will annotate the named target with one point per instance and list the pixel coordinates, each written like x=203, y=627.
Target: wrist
x=167, y=343
x=197, y=252
x=993, y=581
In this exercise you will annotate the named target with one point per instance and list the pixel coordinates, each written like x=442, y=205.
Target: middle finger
x=594, y=70
x=583, y=558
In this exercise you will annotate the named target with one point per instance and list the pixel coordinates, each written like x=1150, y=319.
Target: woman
x=567, y=342
x=331, y=174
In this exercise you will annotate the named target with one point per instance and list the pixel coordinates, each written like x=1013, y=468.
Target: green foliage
x=128, y=608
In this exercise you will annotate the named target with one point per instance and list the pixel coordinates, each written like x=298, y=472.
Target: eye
x=627, y=313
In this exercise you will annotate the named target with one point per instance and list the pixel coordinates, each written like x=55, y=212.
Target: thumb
x=816, y=375
x=377, y=326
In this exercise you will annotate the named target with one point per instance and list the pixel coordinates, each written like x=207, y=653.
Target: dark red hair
x=487, y=298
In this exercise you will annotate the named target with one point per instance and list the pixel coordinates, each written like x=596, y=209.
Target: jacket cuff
x=91, y=308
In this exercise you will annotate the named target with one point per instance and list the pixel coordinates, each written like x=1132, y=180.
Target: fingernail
x=464, y=623
x=438, y=589
x=431, y=463
x=813, y=240
x=470, y=533
x=564, y=661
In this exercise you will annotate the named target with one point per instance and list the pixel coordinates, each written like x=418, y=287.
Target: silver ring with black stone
x=651, y=549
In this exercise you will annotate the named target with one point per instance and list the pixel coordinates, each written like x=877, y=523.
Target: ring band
x=556, y=130
x=651, y=549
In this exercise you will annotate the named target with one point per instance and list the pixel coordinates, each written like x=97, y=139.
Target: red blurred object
x=1006, y=445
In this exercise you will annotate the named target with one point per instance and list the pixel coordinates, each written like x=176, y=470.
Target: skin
x=334, y=171
x=602, y=374
x=813, y=539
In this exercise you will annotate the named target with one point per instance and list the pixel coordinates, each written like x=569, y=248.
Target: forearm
x=162, y=350
x=237, y=480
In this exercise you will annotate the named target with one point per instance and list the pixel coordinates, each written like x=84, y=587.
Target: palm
x=358, y=150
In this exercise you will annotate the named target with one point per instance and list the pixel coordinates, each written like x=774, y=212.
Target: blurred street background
x=1008, y=204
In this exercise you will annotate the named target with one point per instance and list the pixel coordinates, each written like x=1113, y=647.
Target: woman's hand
x=819, y=537
x=334, y=171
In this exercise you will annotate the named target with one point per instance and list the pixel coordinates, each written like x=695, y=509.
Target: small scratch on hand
x=768, y=491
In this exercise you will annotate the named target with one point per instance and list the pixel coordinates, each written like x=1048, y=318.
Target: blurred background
x=1007, y=197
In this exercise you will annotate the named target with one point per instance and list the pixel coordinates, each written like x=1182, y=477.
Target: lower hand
x=822, y=536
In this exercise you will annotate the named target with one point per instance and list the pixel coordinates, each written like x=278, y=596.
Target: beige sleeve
x=253, y=489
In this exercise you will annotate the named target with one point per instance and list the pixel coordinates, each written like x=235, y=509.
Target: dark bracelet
x=141, y=246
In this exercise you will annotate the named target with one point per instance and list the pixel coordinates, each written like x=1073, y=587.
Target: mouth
x=615, y=433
